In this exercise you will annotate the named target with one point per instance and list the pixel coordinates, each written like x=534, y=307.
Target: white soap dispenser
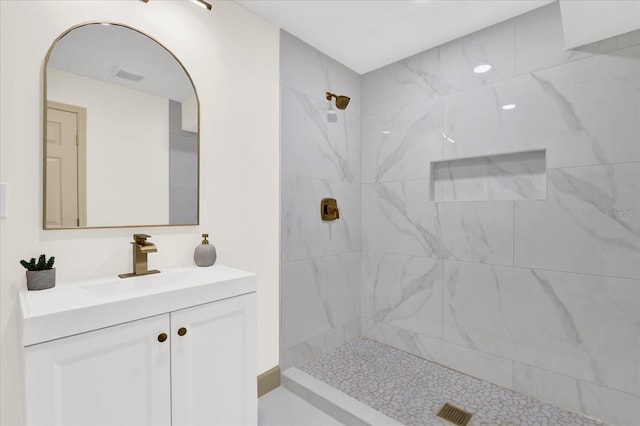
x=205, y=254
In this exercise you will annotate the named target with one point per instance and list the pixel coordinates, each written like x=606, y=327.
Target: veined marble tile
x=582, y=326
x=614, y=407
x=343, y=292
x=318, y=295
x=398, y=144
x=583, y=113
x=589, y=223
x=476, y=231
x=316, y=346
x=478, y=364
x=518, y=176
x=306, y=69
x=399, y=218
x=614, y=43
x=303, y=295
x=304, y=234
x=540, y=40
x=396, y=218
x=441, y=70
x=312, y=146
x=403, y=291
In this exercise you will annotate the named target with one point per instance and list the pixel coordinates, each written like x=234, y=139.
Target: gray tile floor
x=411, y=390
x=280, y=407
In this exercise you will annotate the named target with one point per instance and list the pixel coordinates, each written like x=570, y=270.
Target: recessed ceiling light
x=386, y=132
x=482, y=68
x=508, y=106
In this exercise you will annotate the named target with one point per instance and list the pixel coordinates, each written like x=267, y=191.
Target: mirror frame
x=44, y=130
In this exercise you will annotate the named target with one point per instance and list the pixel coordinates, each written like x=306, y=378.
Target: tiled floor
x=411, y=390
x=282, y=408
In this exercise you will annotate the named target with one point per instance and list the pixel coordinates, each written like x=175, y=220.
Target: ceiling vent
x=127, y=75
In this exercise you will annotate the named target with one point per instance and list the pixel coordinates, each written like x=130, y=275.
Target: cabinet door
x=116, y=376
x=213, y=365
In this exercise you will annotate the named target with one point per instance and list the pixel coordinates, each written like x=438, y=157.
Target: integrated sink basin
x=76, y=307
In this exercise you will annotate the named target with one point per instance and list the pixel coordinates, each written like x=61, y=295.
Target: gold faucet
x=140, y=250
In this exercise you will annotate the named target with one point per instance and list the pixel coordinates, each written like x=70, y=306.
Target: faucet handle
x=141, y=238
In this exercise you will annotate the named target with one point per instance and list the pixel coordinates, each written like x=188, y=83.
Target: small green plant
x=41, y=265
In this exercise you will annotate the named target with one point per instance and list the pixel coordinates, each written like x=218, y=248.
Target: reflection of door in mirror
x=66, y=169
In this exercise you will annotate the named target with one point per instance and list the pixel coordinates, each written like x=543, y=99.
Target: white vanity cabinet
x=210, y=381
x=192, y=365
x=119, y=375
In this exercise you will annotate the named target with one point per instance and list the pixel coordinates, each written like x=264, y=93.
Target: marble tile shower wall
x=541, y=296
x=320, y=271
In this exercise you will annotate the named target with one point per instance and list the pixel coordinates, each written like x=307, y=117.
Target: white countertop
x=77, y=307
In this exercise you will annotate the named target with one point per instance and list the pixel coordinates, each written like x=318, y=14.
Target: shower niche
x=512, y=176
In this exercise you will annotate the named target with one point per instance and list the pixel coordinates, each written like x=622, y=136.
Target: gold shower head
x=341, y=101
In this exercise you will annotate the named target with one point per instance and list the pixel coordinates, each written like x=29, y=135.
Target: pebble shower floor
x=411, y=390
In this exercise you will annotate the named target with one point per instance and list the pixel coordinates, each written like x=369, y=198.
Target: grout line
x=513, y=247
x=442, y=145
x=574, y=378
x=437, y=258
x=589, y=55
x=515, y=47
x=332, y=180
x=320, y=256
x=594, y=165
x=443, y=298
x=440, y=340
x=494, y=200
x=510, y=266
x=360, y=251
x=504, y=265
x=402, y=255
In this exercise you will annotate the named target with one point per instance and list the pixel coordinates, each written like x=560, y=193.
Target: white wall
x=232, y=57
x=127, y=131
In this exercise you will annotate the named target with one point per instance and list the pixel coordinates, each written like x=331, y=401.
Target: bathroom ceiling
x=97, y=51
x=368, y=34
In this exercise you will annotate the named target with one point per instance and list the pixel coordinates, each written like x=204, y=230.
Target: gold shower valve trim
x=329, y=209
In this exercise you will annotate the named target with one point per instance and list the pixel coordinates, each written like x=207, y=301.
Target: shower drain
x=454, y=415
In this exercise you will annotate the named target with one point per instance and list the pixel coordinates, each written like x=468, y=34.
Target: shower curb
x=335, y=403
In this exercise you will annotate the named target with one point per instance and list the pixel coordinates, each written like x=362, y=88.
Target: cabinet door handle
x=182, y=331
x=162, y=337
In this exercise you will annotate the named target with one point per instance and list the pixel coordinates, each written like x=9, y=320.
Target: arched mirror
x=121, y=121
